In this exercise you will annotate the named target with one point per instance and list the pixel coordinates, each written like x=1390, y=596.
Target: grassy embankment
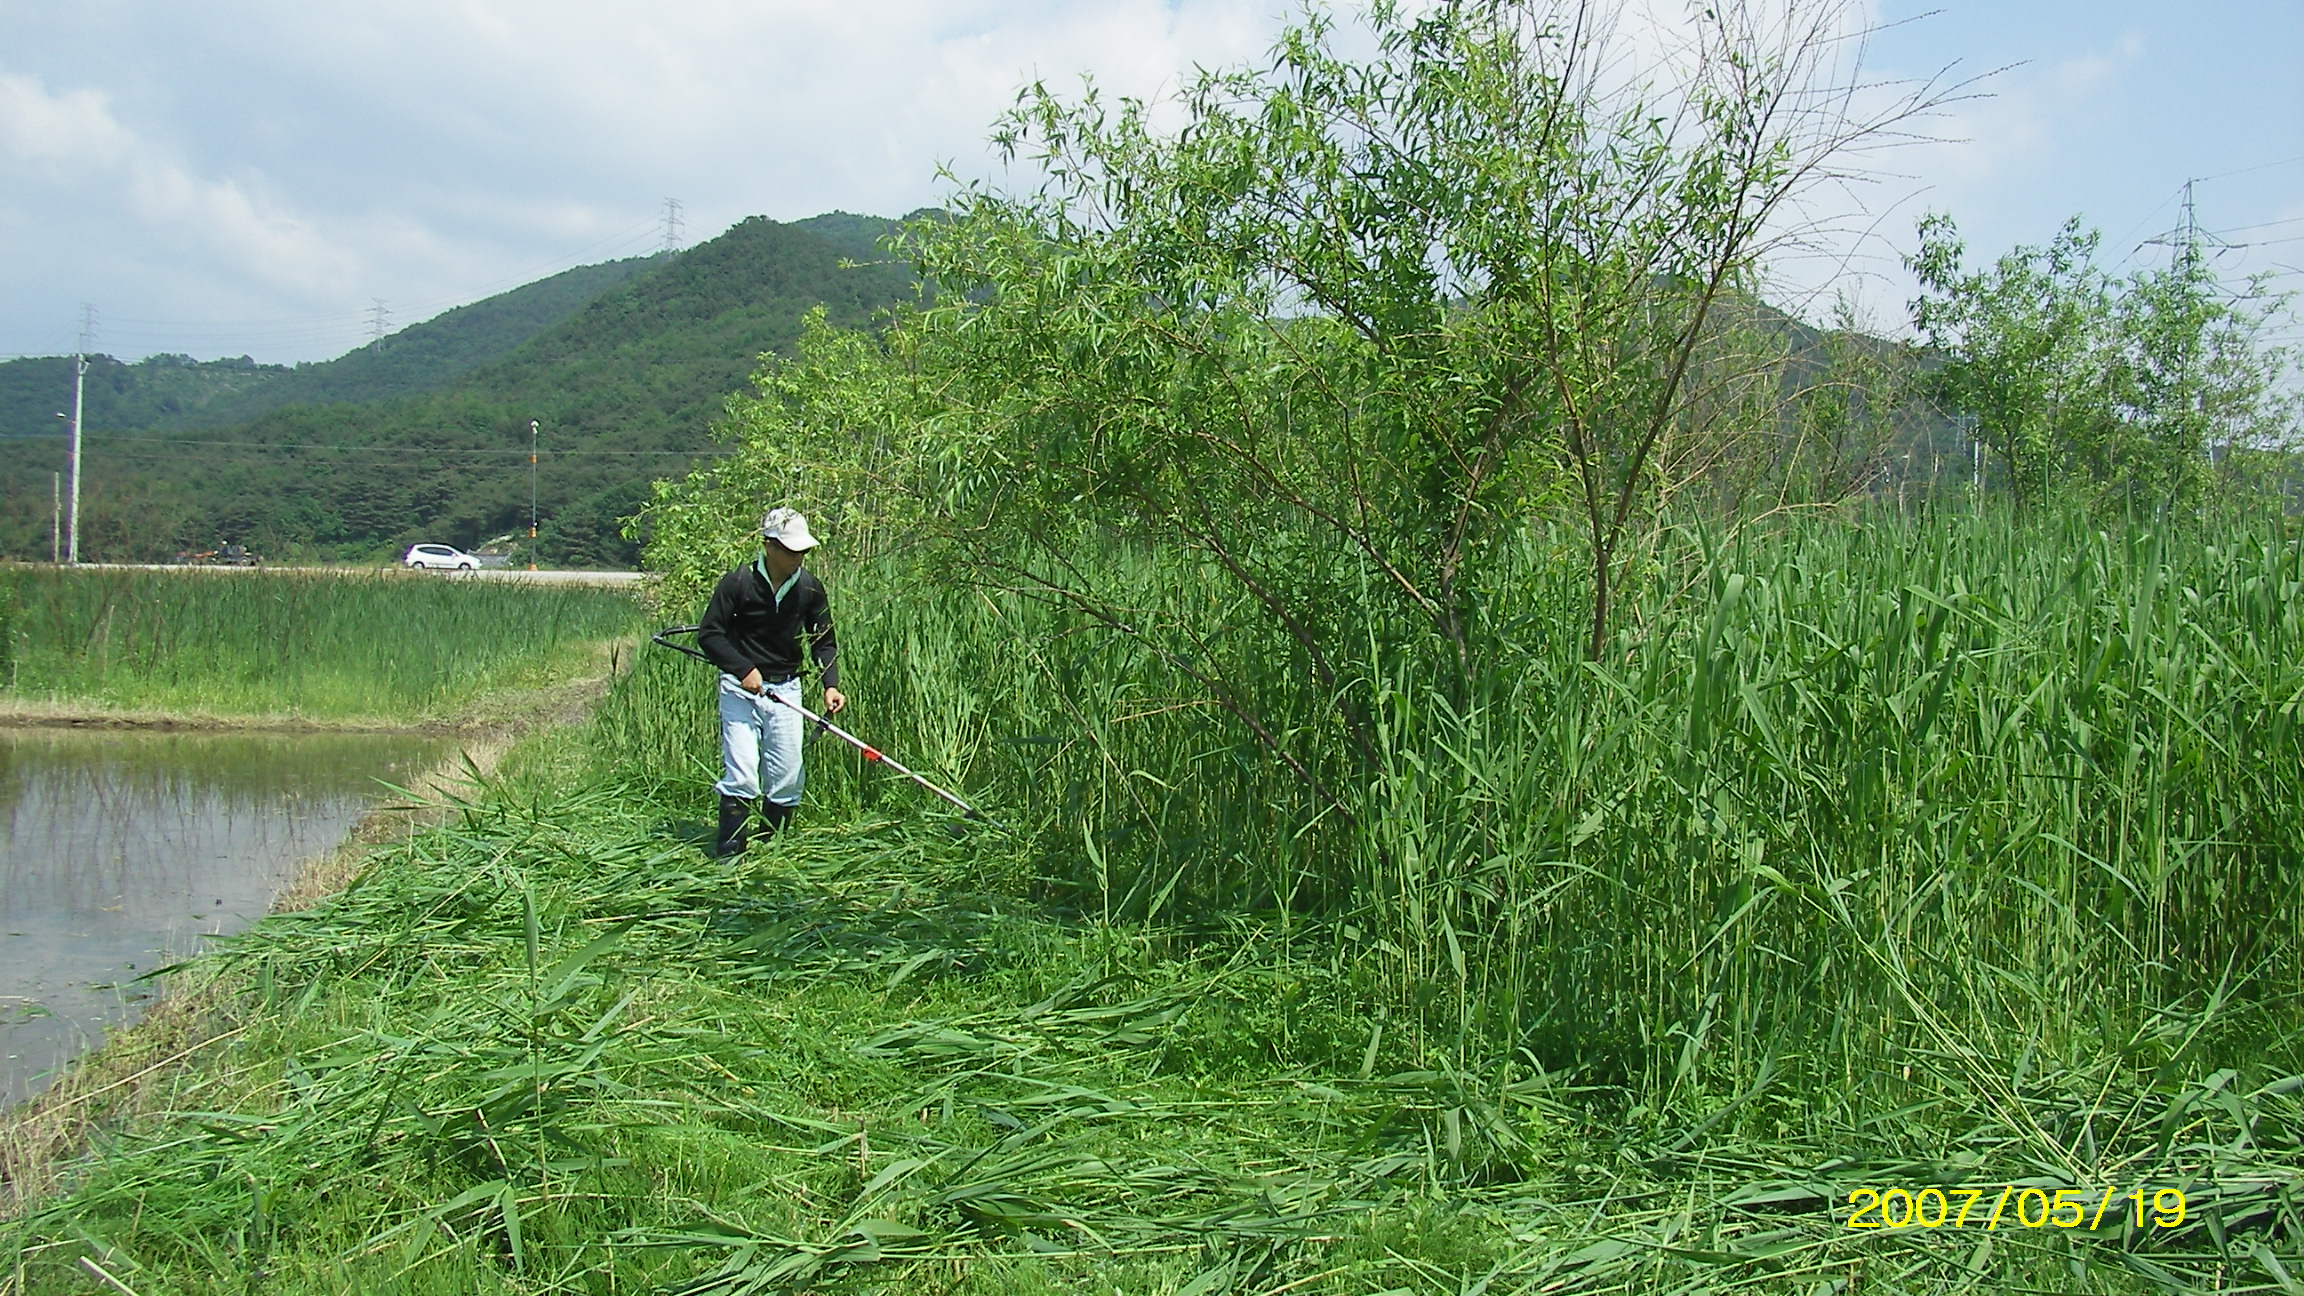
x=246, y=649
x=1890, y=860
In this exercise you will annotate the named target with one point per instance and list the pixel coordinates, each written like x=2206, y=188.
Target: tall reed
x=1859, y=803
x=371, y=647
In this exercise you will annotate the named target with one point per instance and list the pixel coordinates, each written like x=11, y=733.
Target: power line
x=2179, y=192
x=176, y=460
x=408, y=452
x=2285, y=220
x=590, y=254
x=284, y=321
x=2226, y=175
x=347, y=325
x=338, y=321
x=2185, y=189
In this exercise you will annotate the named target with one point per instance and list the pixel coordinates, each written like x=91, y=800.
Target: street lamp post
x=532, y=494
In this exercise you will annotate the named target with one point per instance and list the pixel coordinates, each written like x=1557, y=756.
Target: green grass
x=1855, y=795
x=356, y=648
x=553, y=1048
x=1961, y=855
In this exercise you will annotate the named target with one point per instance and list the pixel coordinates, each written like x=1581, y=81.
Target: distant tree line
x=2159, y=392
x=425, y=435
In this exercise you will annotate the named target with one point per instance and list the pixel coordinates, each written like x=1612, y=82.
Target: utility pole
x=55, y=518
x=1975, y=465
x=79, y=388
x=532, y=494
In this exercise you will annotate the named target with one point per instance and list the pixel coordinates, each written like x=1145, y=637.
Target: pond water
x=122, y=850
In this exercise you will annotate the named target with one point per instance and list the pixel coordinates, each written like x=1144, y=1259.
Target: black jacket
x=743, y=627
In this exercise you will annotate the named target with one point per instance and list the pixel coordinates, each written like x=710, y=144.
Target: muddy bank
x=35, y=715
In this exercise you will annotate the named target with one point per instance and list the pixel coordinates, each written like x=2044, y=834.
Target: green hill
x=857, y=237
x=434, y=354
x=425, y=434
x=177, y=391
x=162, y=391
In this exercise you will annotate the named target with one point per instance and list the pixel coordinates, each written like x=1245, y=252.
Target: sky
x=279, y=178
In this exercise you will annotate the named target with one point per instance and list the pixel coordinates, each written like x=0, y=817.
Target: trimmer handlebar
x=659, y=638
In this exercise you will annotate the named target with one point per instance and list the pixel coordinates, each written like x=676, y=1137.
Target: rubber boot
x=775, y=817
x=735, y=827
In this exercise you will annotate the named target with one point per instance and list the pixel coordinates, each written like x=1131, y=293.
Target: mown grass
x=1892, y=859
x=363, y=648
x=552, y=1047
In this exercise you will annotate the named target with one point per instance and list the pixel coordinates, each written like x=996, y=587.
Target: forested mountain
x=425, y=434
x=170, y=391
x=161, y=391
x=434, y=354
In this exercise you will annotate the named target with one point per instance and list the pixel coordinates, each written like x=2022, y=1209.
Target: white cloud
x=2078, y=77
x=316, y=157
x=2000, y=130
x=2018, y=115
x=70, y=132
x=77, y=137
x=276, y=158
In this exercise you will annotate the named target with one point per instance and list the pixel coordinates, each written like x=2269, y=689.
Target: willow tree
x=1336, y=327
x=2125, y=394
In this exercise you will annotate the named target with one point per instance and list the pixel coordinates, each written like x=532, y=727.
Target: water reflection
x=120, y=850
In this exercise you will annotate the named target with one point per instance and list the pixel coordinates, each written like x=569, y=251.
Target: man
x=762, y=617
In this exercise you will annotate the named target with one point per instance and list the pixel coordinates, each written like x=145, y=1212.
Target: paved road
x=543, y=577
x=485, y=573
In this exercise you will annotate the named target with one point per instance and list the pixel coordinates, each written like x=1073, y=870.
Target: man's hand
x=834, y=699
x=751, y=681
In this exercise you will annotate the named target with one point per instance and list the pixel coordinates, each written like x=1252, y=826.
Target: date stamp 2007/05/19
x=2013, y=1207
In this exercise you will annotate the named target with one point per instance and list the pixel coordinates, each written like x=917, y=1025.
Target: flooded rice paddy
x=122, y=851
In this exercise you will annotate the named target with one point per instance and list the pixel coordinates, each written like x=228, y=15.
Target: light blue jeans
x=760, y=742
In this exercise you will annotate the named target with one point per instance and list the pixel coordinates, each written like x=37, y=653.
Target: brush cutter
x=871, y=754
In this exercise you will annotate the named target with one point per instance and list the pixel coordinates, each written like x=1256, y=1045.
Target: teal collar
x=760, y=565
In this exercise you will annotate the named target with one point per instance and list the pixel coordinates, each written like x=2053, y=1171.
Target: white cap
x=789, y=528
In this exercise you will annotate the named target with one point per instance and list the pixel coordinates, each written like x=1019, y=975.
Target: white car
x=441, y=557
